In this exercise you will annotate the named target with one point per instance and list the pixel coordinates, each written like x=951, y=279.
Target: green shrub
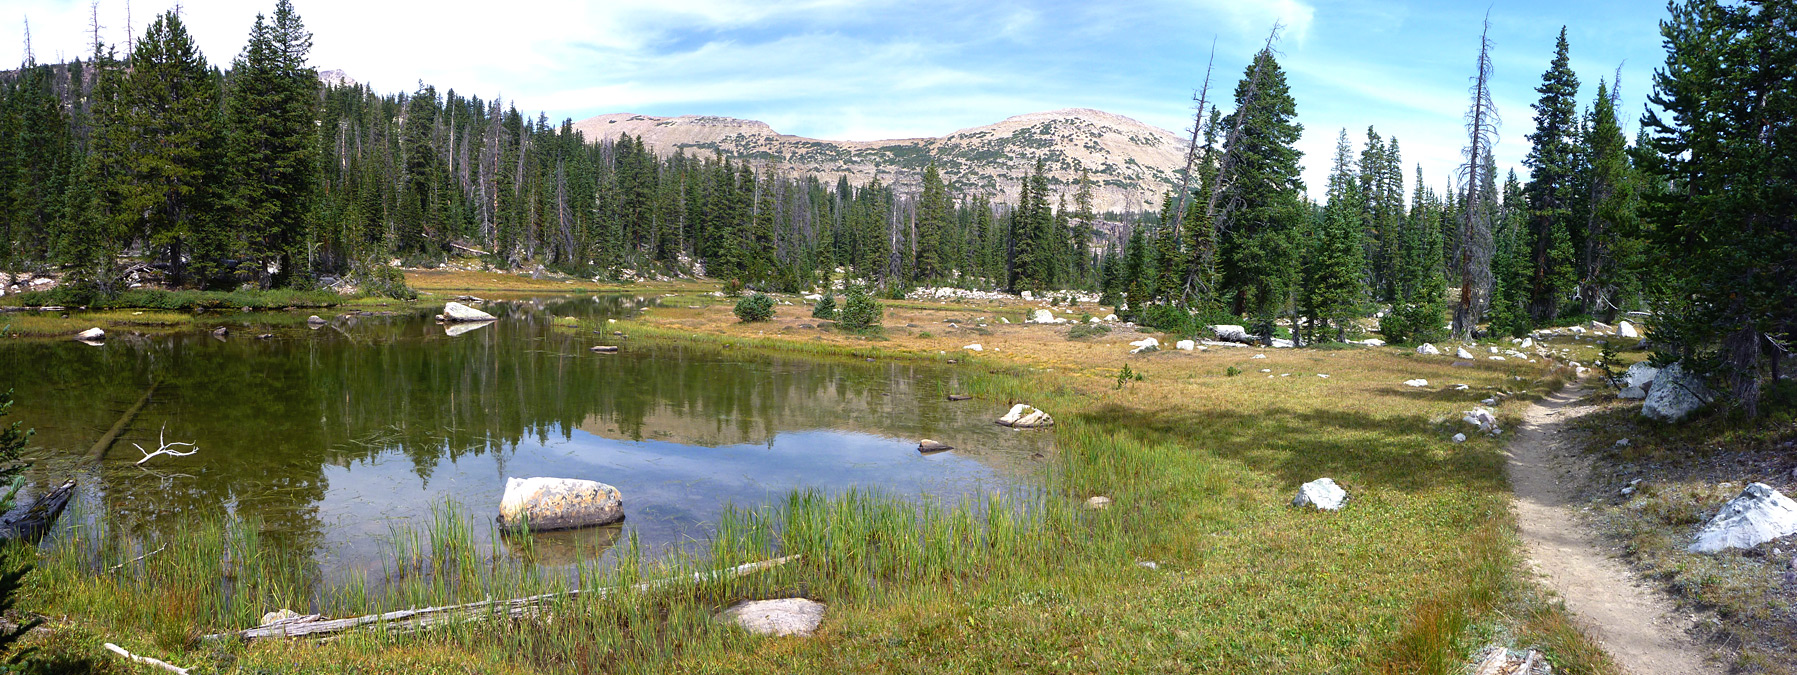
x=1086, y=330
x=733, y=288
x=826, y=308
x=1232, y=371
x=756, y=307
x=382, y=280
x=860, y=311
x=1168, y=318
x=1409, y=323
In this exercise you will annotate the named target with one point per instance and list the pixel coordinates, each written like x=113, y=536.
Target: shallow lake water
x=338, y=436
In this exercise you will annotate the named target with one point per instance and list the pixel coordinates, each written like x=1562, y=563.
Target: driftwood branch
x=145, y=660
x=115, y=568
x=164, y=448
x=407, y=620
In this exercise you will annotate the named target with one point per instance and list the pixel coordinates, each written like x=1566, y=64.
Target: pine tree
x=271, y=111
x=1333, y=284
x=169, y=187
x=1551, y=158
x=1611, y=269
x=933, y=212
x=1083, y=221
x=1263, y=190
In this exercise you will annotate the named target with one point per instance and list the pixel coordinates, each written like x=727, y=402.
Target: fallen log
x=31, y=526
x=98, y=452
x=408, y=620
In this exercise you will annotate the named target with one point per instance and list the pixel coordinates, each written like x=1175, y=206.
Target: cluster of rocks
x=26, y=282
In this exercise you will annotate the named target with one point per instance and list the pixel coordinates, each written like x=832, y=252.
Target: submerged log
x=98, y=452
x=418, y=619
x=31, y=526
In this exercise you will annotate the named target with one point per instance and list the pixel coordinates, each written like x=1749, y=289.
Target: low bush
x=860, y=311
x=826, y=308
x=1086, y=330
x=756, y=307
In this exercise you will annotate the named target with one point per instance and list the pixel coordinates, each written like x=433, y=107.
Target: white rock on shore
x=779, y=618
x=1023, y=416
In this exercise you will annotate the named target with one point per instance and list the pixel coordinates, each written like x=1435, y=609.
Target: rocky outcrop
x=1228, y=333
x=1758, y=515
x=779, y=618
x=1322, y=494
x=1675, y=394
x=558, y=504
x=1023, y=416
x=458, y=312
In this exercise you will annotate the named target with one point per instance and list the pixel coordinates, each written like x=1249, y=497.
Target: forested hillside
x=201, y=174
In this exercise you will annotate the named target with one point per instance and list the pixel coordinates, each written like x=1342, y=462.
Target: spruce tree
x=1083, y=224
x=271, y=111
x=1263, y=191
x=1551, y=161
x=1333, y=284
x=1611, y=269
x=933, y=212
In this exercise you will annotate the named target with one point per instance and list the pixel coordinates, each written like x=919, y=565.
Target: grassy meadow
x=1416, y=574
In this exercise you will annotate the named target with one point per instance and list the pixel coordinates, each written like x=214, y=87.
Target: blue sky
x=842, y=69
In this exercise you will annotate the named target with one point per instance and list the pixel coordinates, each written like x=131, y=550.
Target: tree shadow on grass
x=1403, y=452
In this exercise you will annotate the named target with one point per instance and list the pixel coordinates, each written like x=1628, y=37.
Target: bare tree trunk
x=1475, y=229
x=1741, y=358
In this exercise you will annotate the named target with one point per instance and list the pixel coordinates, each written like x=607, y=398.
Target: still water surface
x=334, y=437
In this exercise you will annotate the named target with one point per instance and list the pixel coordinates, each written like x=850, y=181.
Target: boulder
x=1418, y=382
x=786, y=616
x=558, y=504
x=455, y=311
x=1428, y=350
x=91, y=334
x=1229, y=333
x=1627, y=330
x=1147, y=344
x=927, y=445
x=1481, y=418
x=1321, y=493
x=1459, y=438
x=1758, y=515
x=604, y=349
x=975, y=347
x=1282, y=343
x=1044, y=316
x=1527, y=343
x=960, y=397
x=1370, y=342
x=1185, y=345
x=1638, y=380
x=1675, y=394
x=278, y=615
x=1098, y=503
x=1023, y=416
x=1461, y=353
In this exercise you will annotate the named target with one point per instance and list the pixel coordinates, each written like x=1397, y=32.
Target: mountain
x=1132, y=164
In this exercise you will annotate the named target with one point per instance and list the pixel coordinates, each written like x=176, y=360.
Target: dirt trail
x=1638, y=625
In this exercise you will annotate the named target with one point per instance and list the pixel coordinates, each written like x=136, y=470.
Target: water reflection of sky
x=672, y=492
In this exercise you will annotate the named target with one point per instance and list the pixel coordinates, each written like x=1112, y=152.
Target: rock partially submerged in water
x=604, y=349
x=1025, y=417
x=1758, y=515
x=91, y=334
x=558, y=504
x=455, y=311
x=927, y=445
x=786, y=616
x=1321, y=493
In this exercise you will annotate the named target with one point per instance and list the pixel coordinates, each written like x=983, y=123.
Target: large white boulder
x=1023, y=416
x=1185, y=345
x=975, y=347
x=1147, y=344
x=91, y=334
x=1428, y=350
x=1418, y=382
x=1675, y=394
x=1321, y=493
x=1638, y=380
x=786, y=616
x=1527, y=343
x=1627, y=330
x=1461, y=352
x=1229, y=333
x=455, y=311
x=558, y=504
x=1758, y=515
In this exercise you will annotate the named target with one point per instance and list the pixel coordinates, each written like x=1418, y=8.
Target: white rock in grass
x=1321, y=493
x=1023, y=416
x=786, y=616
x=975, y=347
x=1638, y=380
x=1428, y=350
x=1459, y=438
x=1758, y=515
x=1098, y=503
x=1418, y=382
x=91, y=334
x=1481, y=418
x=455, y=311
x=1496, y=358
x=1258, y=356
x=1147, y=344
x=1186, y=345
x=558, y=503
x=1527, y=343
x=1460, y=352
x=1460, y=387
x=1627, y=330
x=1675, y=394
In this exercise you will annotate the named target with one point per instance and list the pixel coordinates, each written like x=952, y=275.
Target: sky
x=868, y=70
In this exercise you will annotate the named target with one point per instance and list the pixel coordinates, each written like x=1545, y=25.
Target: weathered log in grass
x=409, y=620
x=145, y=660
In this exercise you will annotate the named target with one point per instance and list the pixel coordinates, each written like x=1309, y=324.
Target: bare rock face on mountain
x=1132, y=164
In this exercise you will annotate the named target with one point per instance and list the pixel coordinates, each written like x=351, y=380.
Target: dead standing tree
x=1474, y=256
